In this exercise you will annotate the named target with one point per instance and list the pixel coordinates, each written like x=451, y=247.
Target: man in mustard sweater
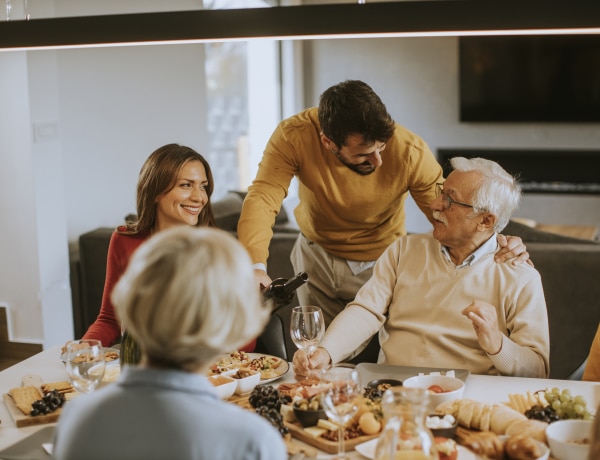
x=355, y=167
x=440, y=300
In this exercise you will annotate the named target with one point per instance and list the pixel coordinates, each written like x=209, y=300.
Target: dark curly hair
x=352, y=107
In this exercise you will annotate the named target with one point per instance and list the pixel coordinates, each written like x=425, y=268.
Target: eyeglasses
x=447, y=200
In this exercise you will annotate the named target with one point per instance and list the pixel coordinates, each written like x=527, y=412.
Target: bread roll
x=486, y=415
x=480, y=416
x=465, y=413
x=535, y=429
x=502, y=416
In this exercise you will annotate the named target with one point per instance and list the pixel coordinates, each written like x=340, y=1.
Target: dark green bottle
x=130, y=351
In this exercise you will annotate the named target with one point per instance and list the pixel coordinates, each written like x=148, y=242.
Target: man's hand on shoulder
x=512, y=247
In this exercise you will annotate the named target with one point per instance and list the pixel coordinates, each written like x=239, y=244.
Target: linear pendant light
x=352, y=20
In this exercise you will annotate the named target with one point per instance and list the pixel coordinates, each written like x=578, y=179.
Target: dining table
x=486, y=388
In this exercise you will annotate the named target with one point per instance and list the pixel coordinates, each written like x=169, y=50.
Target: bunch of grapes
x=267, y=401
x=49, y=403
x=567, y=406
x=543, y=413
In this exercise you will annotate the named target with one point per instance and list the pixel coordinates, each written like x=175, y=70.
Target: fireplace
x=540, y=171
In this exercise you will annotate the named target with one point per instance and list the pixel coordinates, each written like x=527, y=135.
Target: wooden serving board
x=22, y=420
x=331, y=447
x=298, y=432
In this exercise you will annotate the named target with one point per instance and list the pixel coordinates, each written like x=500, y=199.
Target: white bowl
x=224, y=385
x=244, y=384
x=563, y=437
x=453, y=388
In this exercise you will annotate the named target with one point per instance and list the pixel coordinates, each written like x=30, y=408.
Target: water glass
x=85, y=364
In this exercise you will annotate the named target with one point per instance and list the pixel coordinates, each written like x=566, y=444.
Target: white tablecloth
x=47, y=365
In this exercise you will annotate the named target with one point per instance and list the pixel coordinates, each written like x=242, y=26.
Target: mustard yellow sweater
x=351, y=216
x=417, y=295
x=592, y=367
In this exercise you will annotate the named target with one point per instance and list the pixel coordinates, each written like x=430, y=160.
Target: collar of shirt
x=357, y=266
x=491, y=245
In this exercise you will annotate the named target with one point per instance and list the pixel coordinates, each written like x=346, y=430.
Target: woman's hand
x=512, y=247
x=305, y=366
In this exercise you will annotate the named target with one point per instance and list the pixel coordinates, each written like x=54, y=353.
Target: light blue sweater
x=162, y=414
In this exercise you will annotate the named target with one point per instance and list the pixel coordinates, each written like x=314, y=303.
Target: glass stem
x=341, y=452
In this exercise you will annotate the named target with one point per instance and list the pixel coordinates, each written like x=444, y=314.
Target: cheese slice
x=328, y=425
x=315, y=431
x=287, y=412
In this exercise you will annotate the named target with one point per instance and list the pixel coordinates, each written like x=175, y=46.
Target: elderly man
x=440, y=300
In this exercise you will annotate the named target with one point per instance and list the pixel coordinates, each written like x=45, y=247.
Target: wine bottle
x=281, y=291
x=130, y=350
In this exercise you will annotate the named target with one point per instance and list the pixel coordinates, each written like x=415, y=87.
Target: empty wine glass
x=85, y=364
x=307, y=328
x=341, y=398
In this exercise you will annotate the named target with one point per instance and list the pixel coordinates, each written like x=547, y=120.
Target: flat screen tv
x=549, y=78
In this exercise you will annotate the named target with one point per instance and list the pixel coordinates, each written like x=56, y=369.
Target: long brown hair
x=159, y=175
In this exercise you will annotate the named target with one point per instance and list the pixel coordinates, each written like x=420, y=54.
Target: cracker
x=24, y=397
x=62, y=387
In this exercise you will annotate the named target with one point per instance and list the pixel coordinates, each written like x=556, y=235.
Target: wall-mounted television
x=546, y=78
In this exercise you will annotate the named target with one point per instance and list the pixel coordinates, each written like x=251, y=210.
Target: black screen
x=530, y=78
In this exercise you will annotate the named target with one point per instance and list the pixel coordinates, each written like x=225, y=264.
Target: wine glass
x=85, y=364
x=341, y=399
x=307, y=327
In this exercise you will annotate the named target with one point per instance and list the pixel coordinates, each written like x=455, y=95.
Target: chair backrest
x=571, y=279
x=272, y=339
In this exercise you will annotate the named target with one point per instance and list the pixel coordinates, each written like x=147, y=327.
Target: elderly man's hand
x=485, y=322
x=511, y=247
x=305, y=367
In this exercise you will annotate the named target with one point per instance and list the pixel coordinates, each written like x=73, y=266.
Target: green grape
x=567, y=406
x=565, y=395
x=556, y=405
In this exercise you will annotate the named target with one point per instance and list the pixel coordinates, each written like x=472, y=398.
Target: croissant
x=485, y=444
x=522, y=447
x=476, y=415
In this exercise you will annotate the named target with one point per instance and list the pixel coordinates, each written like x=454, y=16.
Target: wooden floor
x=13, y=352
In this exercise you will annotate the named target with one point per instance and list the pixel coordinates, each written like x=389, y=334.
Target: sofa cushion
x=533, y=235
x=570, y=278
x=227, y=211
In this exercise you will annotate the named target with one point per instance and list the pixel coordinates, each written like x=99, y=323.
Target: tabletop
x=484, y=388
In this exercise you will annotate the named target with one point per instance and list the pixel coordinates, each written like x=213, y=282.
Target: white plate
x=367, y=449
x=63, y=356
x=280, y=371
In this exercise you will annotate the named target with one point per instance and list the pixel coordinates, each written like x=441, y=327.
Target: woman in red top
x=174, y=188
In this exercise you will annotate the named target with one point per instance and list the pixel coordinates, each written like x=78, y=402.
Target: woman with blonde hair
x=187, y=296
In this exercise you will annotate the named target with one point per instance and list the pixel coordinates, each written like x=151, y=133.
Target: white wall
x=19, y=250
x=417, y=78
x=117, y=106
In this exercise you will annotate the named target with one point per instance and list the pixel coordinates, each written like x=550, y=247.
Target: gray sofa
x=570, y=270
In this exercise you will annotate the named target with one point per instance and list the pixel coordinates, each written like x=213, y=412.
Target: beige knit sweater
x=418, y=295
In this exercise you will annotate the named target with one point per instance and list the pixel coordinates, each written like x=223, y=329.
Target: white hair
x=498, y=192
x=188, y=295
